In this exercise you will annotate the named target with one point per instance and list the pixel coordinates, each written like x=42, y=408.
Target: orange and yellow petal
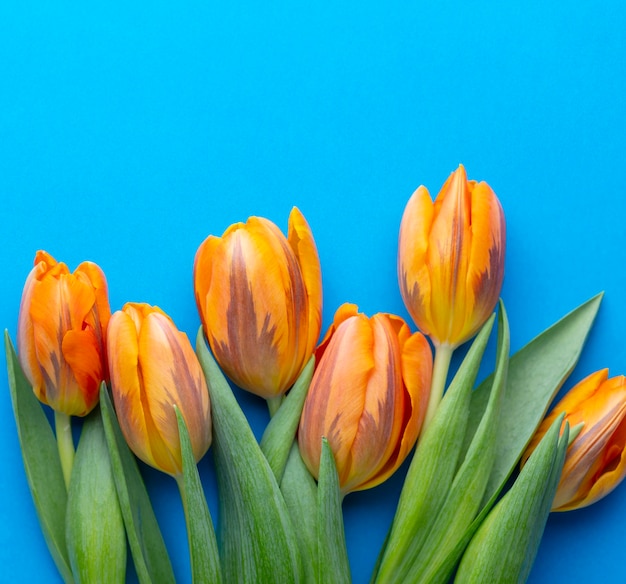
x=135, y=421
x=301, y=240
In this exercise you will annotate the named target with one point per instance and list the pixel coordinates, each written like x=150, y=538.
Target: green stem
x=273, y=403
x=443, y=355
x=65, y=444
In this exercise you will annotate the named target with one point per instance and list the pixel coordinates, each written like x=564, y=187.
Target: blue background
x=130, y=131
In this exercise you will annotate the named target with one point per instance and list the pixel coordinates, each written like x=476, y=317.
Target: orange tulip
x=368, y=397
x=153, y=367
x=61, y=334
x=259, y=295
x=451, y=258
x=595, y=462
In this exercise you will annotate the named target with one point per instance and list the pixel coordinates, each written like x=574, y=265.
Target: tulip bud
x=153, y=367
x=451, y=258
x=259, y=295
x=595, y=462
x=61, y=334
x=368, y=397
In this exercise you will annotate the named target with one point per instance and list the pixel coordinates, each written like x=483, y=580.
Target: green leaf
x=536, y=373
x=96, y=538
x=300, y=492
x=333, y=566
x=205, y=561
x=505, y=545
x=257, y=538
x=152, y=562
x=279, y=434
x=434, y=562
x=432, y=469
x=41, y=461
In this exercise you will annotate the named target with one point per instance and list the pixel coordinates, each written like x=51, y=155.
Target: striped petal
x=451, y=258
x=303, y=245
x=259, y=297
x=81, y=351
x=381, y=425
x=127, y=385
x=413, y=273
x=595, y=462
x=359, y=399
x=165, y=357
x=153, y=367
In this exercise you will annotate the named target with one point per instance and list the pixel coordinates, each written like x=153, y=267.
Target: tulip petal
x=345, y=311
x=101, y=309
x=166, y=357
x=413, y=274
x=157, y=366
x=417, y=369
x=203, y=277
x=486, y=264
x=57, y=306
x=81, y=352
x=25, y=331
x=449, y=255
x=258, y=300
x=259, y=296
x=342, y=383
x=382, y=422
x=596, y=452
x=244, y=327
x=134, y=419
x=301, y=240
x=610, y=472
x=451, y=258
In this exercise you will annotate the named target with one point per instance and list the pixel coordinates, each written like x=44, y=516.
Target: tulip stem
x=273, y=403
x=443, y=355
x=65, y=444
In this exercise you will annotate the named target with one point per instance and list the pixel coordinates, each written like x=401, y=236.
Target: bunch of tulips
x=346, y=411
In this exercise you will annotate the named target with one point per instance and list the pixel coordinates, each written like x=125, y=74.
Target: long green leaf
x=300, y=492
x=555, y=352
x=152, y=562
x=257, y=538
x=462, y=503
x=432, y=469
x=41, y=461
x=505, y=545
x=279, y=434
x=96, y=538
x=205, y=561
x=333, y=566
x=536, y=373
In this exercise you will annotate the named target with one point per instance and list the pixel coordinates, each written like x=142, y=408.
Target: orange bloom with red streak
x=451, y=258
x=259, y=295
x=61, y=334
x=368, y=397
x=595, y=462
x=153, y=367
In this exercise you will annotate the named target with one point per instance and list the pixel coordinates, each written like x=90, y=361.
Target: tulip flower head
x=259, y=295
x=61, y=334
x=368, y=397
x=153, y=367
x=595, y=462
x=451, y=258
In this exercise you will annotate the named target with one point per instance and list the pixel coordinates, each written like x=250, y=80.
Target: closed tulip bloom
x=368, y=397
x=451, y=258
x=259, y=295
x=61, y=334
x=595, y=462
x=153, y=367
